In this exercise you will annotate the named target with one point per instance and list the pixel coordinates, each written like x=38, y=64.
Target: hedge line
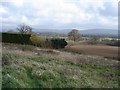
x=28, y=39
x=16, y=38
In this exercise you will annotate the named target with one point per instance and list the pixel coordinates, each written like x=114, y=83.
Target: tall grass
x=53, y=69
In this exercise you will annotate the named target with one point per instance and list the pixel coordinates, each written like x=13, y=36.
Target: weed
x=6, y=59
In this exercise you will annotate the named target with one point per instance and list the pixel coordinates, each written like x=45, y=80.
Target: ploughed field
x=99, y=50
x=25, y=66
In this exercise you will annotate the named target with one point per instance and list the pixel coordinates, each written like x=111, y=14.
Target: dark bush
x=58, y=43
x=112, y=42
x=16, y=38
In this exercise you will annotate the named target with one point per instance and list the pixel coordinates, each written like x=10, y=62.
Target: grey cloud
x=109, y=10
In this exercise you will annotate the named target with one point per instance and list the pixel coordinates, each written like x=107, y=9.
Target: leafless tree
x=74, y=35
x=24, y=29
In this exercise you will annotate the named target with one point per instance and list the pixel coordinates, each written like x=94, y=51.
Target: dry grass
x=54, y=68
x=63, y=55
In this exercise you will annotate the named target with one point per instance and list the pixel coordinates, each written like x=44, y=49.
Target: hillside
x=107, y=32
x=48, y=68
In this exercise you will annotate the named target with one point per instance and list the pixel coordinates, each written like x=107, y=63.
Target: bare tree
x=74, y=35
x=24, y=29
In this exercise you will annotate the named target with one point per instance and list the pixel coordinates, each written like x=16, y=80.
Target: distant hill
x=85, y=31
x=53, y=31
x=53, y=34
x=107, y=32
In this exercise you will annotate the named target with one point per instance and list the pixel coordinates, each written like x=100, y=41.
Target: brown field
x=99, y=50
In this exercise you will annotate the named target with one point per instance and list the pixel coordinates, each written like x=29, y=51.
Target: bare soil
x=99, y=50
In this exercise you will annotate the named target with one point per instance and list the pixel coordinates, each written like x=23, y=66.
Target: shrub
x=114, y=43
x=37, y=40
x=48, y=43
x=26, y=47
x=58, y=43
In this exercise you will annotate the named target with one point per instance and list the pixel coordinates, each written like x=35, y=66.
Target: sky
x=59, y=14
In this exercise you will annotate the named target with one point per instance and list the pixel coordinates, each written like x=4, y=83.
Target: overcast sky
x=60, y=14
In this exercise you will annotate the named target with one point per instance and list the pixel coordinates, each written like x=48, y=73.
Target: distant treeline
x=102, y=36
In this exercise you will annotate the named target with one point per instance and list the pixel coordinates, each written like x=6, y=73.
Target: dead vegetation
x=70, y=56
x=36, y=67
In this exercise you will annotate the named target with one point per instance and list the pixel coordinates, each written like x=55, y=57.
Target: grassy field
x=99, y=50
x=33, y=67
